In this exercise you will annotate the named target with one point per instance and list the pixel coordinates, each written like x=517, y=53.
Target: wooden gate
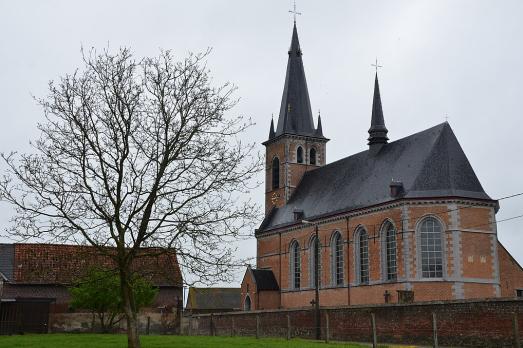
x=24, y=316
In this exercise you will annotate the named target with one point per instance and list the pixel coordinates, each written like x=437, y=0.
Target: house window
x=389, y=245
x=431, y=248
x=363, y=256
x=315, y=265
x=337, y=259
x=247, y=303
x=295, y=265
x=312, y=156
x=299, y=155
x=275, y=173
x=519, y=292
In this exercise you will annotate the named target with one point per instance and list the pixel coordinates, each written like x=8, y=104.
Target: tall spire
x=295, y=111
x=378, y=131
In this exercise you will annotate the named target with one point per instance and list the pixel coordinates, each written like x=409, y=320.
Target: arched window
x=431, y=242
x=312, y=156
x=337, y=259
x=314, y=262
x=295, y=265
x=247, y=303
x=362, y=254
x=275, y=173
x=299, y=154
x=390, y=268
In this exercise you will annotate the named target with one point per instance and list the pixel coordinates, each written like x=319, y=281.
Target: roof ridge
x=367, y=150
x=427, y=160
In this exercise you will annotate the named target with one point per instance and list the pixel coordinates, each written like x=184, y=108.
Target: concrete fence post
x=434, y=331
x=257, y=326
x=211, y=325
x=516, y=330
x=288, y=327
x=374, y=334
x=327, y=333
x=232, y=326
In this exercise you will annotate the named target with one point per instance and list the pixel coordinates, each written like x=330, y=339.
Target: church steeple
x=296, y=146
x=295, y=110
x=377, y=131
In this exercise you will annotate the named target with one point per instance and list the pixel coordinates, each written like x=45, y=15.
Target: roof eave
x=348, y=211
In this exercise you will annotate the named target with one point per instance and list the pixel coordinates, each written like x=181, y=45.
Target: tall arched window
x=275, y=173
x=312, y=156
x=247, y=303
x=295, y=265
x=362, y=253
x=337, y=259
x=390, y=268
x=431, y=242
x=299, y=154
x=314, y=261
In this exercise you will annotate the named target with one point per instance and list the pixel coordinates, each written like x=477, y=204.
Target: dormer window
x=299, y=154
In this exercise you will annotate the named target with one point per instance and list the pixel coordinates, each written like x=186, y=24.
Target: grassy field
x=114, y=341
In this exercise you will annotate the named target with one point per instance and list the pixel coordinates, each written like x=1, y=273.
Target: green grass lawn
x=110, y=341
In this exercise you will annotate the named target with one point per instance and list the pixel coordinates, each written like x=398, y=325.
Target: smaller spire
x=378, y=131
x=319, y=130
x=272, y=134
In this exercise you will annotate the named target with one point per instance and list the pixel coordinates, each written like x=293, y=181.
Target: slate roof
x=213, y=298
x=60, y=264
x=295, y=110
x=430, y=163
x=264, y=279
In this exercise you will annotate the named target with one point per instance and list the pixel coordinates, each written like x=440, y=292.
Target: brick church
x=405, y=220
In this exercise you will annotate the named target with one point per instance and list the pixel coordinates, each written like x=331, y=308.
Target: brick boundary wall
x=472, y=323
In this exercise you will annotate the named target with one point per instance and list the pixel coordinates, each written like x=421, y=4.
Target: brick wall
x=159, y=323
x=474, y=323
x=470, y=253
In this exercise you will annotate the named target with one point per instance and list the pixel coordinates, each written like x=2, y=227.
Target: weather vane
x=376, y=65
x=295, y=12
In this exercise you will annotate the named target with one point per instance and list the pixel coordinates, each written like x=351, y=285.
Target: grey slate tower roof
x=377, y=131
x=295, y=110
x=430, y=164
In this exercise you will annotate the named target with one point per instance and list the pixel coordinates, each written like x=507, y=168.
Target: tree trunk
x=133, y=339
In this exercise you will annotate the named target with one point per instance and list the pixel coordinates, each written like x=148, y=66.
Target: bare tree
x=134, y=154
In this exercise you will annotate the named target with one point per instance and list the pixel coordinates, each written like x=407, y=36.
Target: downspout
x=279, y=281
x=348, y=261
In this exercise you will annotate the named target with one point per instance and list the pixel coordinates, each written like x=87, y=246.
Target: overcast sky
x=457, y=58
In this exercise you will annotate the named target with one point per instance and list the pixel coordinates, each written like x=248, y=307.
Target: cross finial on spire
x=293, y=11
x=376, y=65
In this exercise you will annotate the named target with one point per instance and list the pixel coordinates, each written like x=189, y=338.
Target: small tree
x=134, y=154
x=99, y=292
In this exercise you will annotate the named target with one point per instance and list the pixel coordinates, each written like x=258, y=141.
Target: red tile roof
x=64, y=264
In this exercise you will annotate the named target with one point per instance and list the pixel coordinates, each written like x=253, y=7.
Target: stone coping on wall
x=370, y=306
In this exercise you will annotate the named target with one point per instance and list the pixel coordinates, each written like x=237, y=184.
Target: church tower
x=296, y=146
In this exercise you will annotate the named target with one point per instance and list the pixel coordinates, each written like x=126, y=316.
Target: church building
x=403, y=221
